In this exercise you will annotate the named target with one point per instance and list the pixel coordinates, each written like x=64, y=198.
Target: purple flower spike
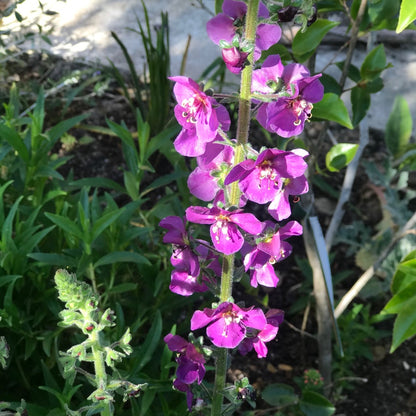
x=228, y=324
x=224, y=231
x=258, y=341
x=199, y=115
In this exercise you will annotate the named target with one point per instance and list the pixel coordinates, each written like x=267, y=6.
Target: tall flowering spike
x=262, y=180
x=228, y=324
x=199, y=115
x=227, y=29
x=258, y=339
x=293, y=92
x=224, y=231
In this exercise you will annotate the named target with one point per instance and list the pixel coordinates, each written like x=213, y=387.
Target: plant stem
x=99, y=367
x=234, y=196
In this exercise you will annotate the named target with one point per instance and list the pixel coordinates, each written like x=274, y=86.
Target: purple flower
x=227, y=26
x=190, y=361
x=293, y=92
x=234, y=59
x=183, y=258
x=258, y=339
x=270, y=249
x=199, y=115
x=206, y=180
x=228, y=324
x=262, y=179
x=225, y=234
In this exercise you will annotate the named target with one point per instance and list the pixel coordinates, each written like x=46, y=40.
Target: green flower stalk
x=82, y=311
x=242, y=139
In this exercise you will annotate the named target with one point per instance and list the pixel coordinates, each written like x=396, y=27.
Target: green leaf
x=407, y=15
x=218, y=6
x=306, y=42
x=53, y=259
x=122, y=288
x=405, y=273
x=122, y=257
x=399, y=127
x=402, y=299
x=58, y=131
x=360, y=101
x=146, y=352
x=314, y=404
x=104, y=222
x=330, y=84
x=374, y=63
x=13, y=138
x=65, y=224
x=404, y=325
x=340, y=156
x=332, y=108
x=279, y=395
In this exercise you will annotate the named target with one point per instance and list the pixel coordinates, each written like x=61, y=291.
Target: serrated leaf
x=399, y=127
x=360, y=101
x=340, y=156
x=307, y=41
x=407, y=15
x=332, y=108
x=314, y=404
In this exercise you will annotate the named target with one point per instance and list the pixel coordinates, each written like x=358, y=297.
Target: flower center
x=193, y=105
x=299, y=106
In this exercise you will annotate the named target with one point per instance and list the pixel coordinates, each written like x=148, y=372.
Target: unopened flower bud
x=286, y=14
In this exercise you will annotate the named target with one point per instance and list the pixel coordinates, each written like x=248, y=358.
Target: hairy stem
x=99, y=367
x=234, y=196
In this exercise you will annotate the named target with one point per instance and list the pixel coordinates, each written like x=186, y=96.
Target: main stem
x=234, y=196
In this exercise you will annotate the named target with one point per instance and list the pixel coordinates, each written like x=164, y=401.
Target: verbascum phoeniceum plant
x=230, y=177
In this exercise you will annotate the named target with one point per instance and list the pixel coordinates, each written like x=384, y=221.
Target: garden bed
x=383, y=384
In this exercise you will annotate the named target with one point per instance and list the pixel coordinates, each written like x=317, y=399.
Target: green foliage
x=331, y=107
x=152, y=97
x=340, y=155
x=407, y=15
x=399, y=127
x=362, y=332
x=305, y=43
x=403, y=302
